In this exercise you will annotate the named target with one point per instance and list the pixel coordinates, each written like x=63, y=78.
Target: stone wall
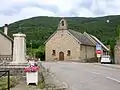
x=14, y=70
x=87, y=52
x=117, y=52
x=5, y=58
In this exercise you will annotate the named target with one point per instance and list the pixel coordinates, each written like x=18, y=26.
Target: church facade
x=67, y=44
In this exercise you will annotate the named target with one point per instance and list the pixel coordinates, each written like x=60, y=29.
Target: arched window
x=62, y=23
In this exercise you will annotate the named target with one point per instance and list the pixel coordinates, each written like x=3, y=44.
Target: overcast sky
x=14, y=10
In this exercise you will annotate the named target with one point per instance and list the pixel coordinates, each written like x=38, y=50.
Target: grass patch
x=4, y=82
x=41, y=83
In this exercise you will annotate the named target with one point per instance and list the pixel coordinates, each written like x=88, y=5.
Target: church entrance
x=61, y=56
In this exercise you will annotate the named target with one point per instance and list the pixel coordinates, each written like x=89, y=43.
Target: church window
x=62, y=23
x=53, y=52
x=68, y=53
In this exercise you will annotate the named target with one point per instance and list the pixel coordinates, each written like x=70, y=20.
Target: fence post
x=8, y=80
x=7, y=72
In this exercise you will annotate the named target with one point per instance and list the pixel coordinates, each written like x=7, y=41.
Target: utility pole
x=19, y=28
x=31, y=47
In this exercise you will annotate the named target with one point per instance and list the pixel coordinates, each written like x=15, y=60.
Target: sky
x=15, y=10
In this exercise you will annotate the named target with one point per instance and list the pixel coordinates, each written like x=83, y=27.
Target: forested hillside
x=38, y=29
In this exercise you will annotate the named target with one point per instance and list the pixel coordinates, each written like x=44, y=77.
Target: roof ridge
x=75, y=31
x=98, y=41
x=81, y=37
x=88, y=35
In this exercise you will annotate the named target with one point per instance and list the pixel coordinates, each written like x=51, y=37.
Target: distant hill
x=38, y=29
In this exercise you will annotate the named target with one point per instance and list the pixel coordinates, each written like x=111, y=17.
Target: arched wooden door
x=61, y=56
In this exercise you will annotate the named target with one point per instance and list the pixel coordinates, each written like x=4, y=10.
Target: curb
x=59, y=85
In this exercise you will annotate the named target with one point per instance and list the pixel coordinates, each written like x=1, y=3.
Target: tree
x=40, y=53
x=118, y=32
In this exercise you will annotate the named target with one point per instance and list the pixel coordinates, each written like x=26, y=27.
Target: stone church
x=67, y=44
x=6, y=45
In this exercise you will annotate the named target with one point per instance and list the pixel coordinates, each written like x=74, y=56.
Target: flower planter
x=32, y=77
x=31, y=74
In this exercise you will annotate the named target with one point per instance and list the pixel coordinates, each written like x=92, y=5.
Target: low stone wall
x=5, y=58
x=90, y=60
x=14, y=70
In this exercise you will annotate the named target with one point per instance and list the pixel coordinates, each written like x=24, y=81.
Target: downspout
x=86, y=52
x=12, y=51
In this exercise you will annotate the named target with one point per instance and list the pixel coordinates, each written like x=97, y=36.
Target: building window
x=62, y=23
x=53, y=53
x=68, y=53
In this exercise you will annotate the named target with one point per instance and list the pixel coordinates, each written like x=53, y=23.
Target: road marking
x=113, y=79
x=75, y=63
x=95, y=73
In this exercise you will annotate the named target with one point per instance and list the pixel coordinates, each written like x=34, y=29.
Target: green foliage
x=4, y=83
x=39, y=29
x=41, y=84
x=40, y=53
x=37, y=53
x=118, y=32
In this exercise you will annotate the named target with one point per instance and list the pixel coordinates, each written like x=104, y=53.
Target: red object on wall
x=98, y=51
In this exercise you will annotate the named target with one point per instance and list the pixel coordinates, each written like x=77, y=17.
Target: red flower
x=31, y=69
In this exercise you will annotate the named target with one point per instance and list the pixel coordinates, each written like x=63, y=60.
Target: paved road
x=81, y=76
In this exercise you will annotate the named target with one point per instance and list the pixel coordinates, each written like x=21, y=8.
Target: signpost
x=98, y=51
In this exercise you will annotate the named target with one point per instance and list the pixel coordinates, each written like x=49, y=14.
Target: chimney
x=6, y=29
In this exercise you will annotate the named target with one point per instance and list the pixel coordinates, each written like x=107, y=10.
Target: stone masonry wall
x=117, y=52
x=14, y=70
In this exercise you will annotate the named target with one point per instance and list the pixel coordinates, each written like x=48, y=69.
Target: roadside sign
x=98, y=51
x=98, y=47
x=98, y=55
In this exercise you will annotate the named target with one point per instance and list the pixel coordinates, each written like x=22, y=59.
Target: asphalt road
x=84, y=76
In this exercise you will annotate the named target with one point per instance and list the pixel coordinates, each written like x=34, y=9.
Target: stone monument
x=19, y=49
x=19, y=62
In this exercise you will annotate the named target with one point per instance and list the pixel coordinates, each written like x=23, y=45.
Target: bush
x=40, y=55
